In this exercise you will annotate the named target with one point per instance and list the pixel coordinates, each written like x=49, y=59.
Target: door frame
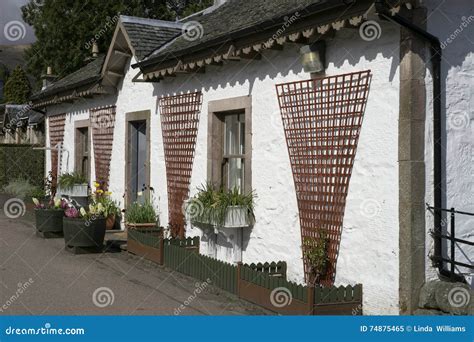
x=143, y=115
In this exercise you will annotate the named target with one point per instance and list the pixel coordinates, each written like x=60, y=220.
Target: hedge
x=21, y=161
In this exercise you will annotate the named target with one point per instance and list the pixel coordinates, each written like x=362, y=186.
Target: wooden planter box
x=49, y=222
x=145, y=240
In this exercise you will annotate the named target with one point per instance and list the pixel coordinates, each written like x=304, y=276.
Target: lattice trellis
x=56, y=136
x=179, y=123
x=322, y=119
x=103, y=123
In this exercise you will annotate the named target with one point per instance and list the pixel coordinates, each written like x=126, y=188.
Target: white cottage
x=347, y=116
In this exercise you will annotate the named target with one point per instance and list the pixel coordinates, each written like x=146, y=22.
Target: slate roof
x=235, y=16
x=147, y=35
x=240, y=18
x=88, y=74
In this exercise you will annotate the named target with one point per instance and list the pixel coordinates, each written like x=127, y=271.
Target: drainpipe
x=436, y=53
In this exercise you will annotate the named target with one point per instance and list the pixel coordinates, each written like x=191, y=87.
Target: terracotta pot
x=110, y=222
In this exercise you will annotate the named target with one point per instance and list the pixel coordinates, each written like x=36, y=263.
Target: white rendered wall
x=369, y=247
x=453, y=23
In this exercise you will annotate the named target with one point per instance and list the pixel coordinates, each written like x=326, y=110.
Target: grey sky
x=13, y=31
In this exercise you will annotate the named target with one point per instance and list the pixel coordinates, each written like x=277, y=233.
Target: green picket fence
x=271, y=282
x=183, y=256
x=257, y=282
x=340, y=294
x=277, y=269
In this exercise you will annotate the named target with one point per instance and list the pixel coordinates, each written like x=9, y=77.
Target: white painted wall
x=454, y=20
x=369, y=247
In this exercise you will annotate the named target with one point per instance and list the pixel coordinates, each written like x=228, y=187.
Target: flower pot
x=110, y=222
x=84, y=234
x=49, y=221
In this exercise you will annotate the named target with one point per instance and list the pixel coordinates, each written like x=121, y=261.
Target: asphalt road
x=39, y=277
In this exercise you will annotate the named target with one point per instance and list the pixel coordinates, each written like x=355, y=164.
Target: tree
x=17, y=89
x=65, y=28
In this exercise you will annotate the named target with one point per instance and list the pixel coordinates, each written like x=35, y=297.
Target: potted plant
x=74, y=186
x=144, y=235
x=84, y=229
x=221, y=208
x=141, y=216
x=111, y=208
x=49, y=217
x=315, y=251
x=217, y=211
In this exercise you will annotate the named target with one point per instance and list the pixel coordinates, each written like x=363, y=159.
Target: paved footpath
x=39, y=277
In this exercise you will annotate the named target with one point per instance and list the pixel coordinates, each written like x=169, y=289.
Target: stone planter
x=145, y=240
x=49, y=222
x=86, y=235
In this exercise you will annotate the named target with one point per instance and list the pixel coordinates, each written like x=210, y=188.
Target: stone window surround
x=215, y=137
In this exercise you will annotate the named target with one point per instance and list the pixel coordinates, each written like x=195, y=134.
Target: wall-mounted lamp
x=313, y=57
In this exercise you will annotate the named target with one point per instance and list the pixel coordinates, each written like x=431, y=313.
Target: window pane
x=236, y=173
x=234, y=134
x=85, y=134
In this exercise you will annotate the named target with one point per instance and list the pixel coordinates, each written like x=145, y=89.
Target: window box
x=77, y=190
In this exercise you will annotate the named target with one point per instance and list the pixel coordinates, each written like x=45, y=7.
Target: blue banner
x=240, y=328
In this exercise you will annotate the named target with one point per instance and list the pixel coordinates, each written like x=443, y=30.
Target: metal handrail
x=453, y=240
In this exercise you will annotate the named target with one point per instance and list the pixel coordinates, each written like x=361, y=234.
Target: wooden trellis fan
x=322, y=119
